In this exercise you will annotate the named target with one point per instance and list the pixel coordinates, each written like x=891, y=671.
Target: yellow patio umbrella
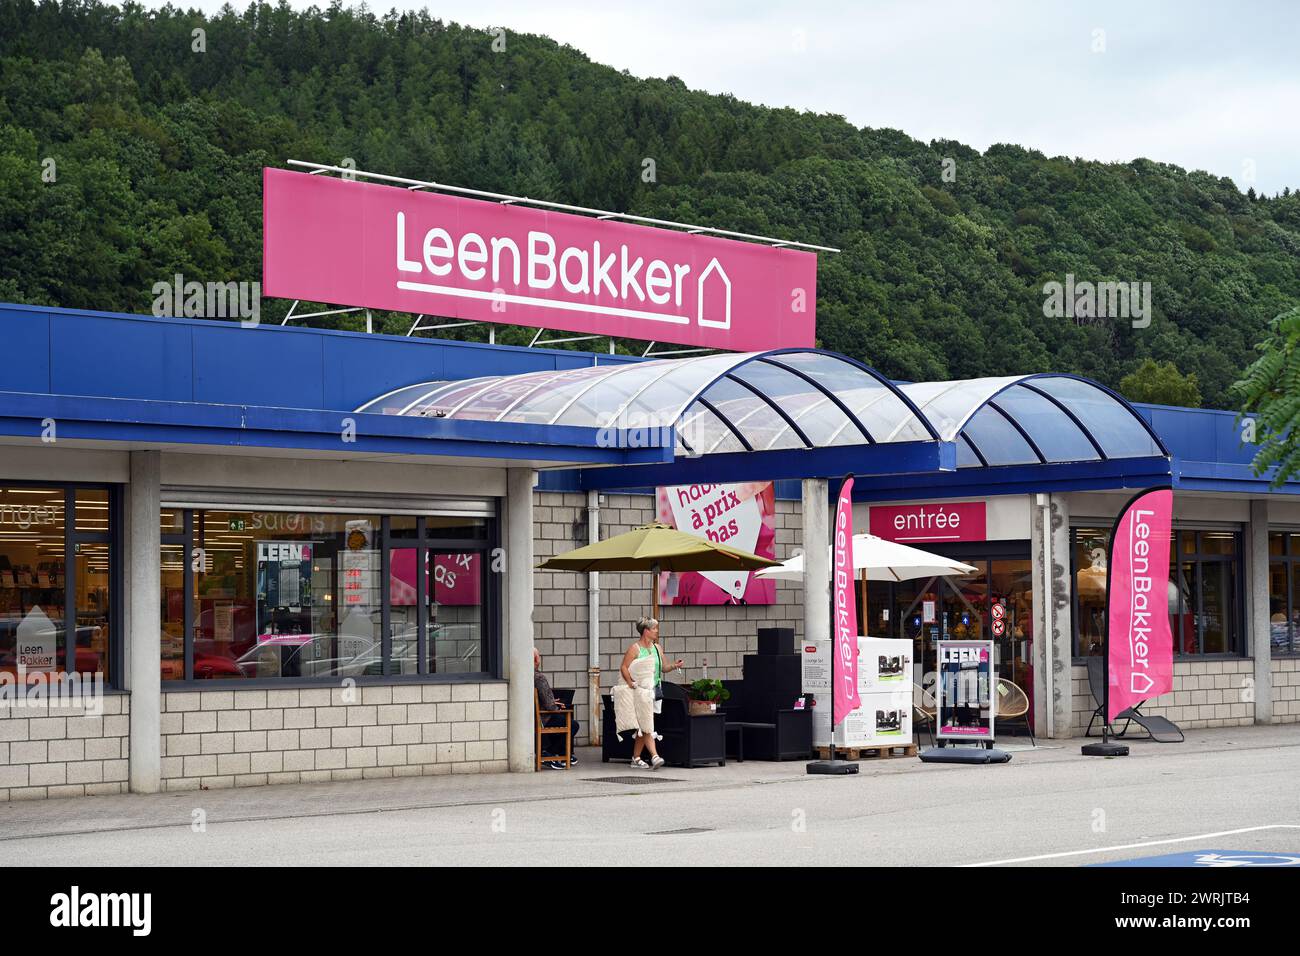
x=656, y=548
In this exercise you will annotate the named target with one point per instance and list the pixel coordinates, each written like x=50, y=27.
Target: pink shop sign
x=382, y=247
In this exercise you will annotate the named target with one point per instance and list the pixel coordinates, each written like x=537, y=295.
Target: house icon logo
x=713, y=298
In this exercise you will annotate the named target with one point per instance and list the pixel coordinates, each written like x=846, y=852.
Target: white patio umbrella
x=882, y=560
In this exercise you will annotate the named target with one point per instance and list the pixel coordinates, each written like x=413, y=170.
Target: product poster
x=740, y=515
x=283, y=581
x=964, y=692
x=454, y=580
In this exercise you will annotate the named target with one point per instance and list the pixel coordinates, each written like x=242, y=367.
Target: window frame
x=1198, y=559
x=1288, y=560
x=72, y=537
x=423, y=542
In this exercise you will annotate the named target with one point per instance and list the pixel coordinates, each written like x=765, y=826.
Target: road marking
x=1133, y=846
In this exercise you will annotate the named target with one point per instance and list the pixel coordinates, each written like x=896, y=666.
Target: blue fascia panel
x=151, y=422
x=1229, y=477
x=889, y=459
x=1016, y=480
x=118, y=355
x=26, y=333
x=257, y=366
x=93, y=355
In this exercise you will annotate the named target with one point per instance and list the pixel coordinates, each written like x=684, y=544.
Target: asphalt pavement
x=1230, y=790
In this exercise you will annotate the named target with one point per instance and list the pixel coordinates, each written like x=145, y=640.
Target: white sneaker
x=639, y=764
x=656, y=762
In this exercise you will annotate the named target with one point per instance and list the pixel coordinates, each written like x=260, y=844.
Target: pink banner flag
x=1139, y=644
x=845, y=619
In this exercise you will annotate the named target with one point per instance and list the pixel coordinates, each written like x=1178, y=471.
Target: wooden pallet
x=867, y=753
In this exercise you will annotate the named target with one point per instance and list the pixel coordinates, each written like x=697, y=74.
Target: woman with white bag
x=640, y=694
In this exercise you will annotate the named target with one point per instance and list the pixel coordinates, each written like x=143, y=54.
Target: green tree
x=159, y=154
x=1160, y=383
x=1270, y=400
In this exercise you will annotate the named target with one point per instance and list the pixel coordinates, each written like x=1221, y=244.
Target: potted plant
x=704, y=696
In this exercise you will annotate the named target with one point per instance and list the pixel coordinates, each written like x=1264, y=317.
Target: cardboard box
x=883, y=720
x=883, y=664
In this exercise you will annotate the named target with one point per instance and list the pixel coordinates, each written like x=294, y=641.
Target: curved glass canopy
x=802, y=398
x=1033, y=419
x=752, y=401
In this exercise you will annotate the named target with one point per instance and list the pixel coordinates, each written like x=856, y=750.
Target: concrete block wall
x=60, y=752
x=249, y=738
x=1205, y=694
x=1286, y=690
x=721, y=635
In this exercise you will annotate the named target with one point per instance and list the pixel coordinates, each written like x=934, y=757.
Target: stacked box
x=884, y=717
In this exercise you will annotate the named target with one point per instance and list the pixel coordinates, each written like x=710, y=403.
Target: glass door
x=944, y=608
x=994, y=603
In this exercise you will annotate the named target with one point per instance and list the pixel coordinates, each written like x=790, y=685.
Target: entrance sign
x=742, y=515
x=384, y=247
x=844, y=619
x=964, y=693
x=945, y=521
x=1139, y=645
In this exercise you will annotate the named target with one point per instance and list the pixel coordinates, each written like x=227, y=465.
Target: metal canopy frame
x=506, y=199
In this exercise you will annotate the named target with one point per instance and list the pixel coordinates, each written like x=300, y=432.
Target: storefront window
x=56, y=572
x=278, y=594
x=1204, y=590
x=457, y=584
x=1088, y=548
x=1284, y=593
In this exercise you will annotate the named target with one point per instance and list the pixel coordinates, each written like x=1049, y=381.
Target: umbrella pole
x=866, y=620
x=654, y=583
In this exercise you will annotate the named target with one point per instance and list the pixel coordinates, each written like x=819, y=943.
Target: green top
x=643, y=651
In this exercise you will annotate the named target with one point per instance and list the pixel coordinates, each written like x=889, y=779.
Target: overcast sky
x=1212, y=86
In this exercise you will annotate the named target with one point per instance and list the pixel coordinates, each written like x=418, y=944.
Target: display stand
x=953, y=658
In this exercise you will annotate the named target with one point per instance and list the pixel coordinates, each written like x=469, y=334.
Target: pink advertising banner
x=1139, y=644
x=844, y=623
x=361, y=244
x=742, y=515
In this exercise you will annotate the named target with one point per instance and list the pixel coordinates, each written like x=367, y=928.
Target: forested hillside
x=158, y=150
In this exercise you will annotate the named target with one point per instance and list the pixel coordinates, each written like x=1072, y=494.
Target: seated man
x=546, y=698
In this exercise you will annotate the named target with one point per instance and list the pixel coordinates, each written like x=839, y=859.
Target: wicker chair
x=1013, y=705
x=923, y=710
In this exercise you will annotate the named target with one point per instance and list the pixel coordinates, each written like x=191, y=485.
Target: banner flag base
x=835, y=768
x=964, y=755
x=1105, y=750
